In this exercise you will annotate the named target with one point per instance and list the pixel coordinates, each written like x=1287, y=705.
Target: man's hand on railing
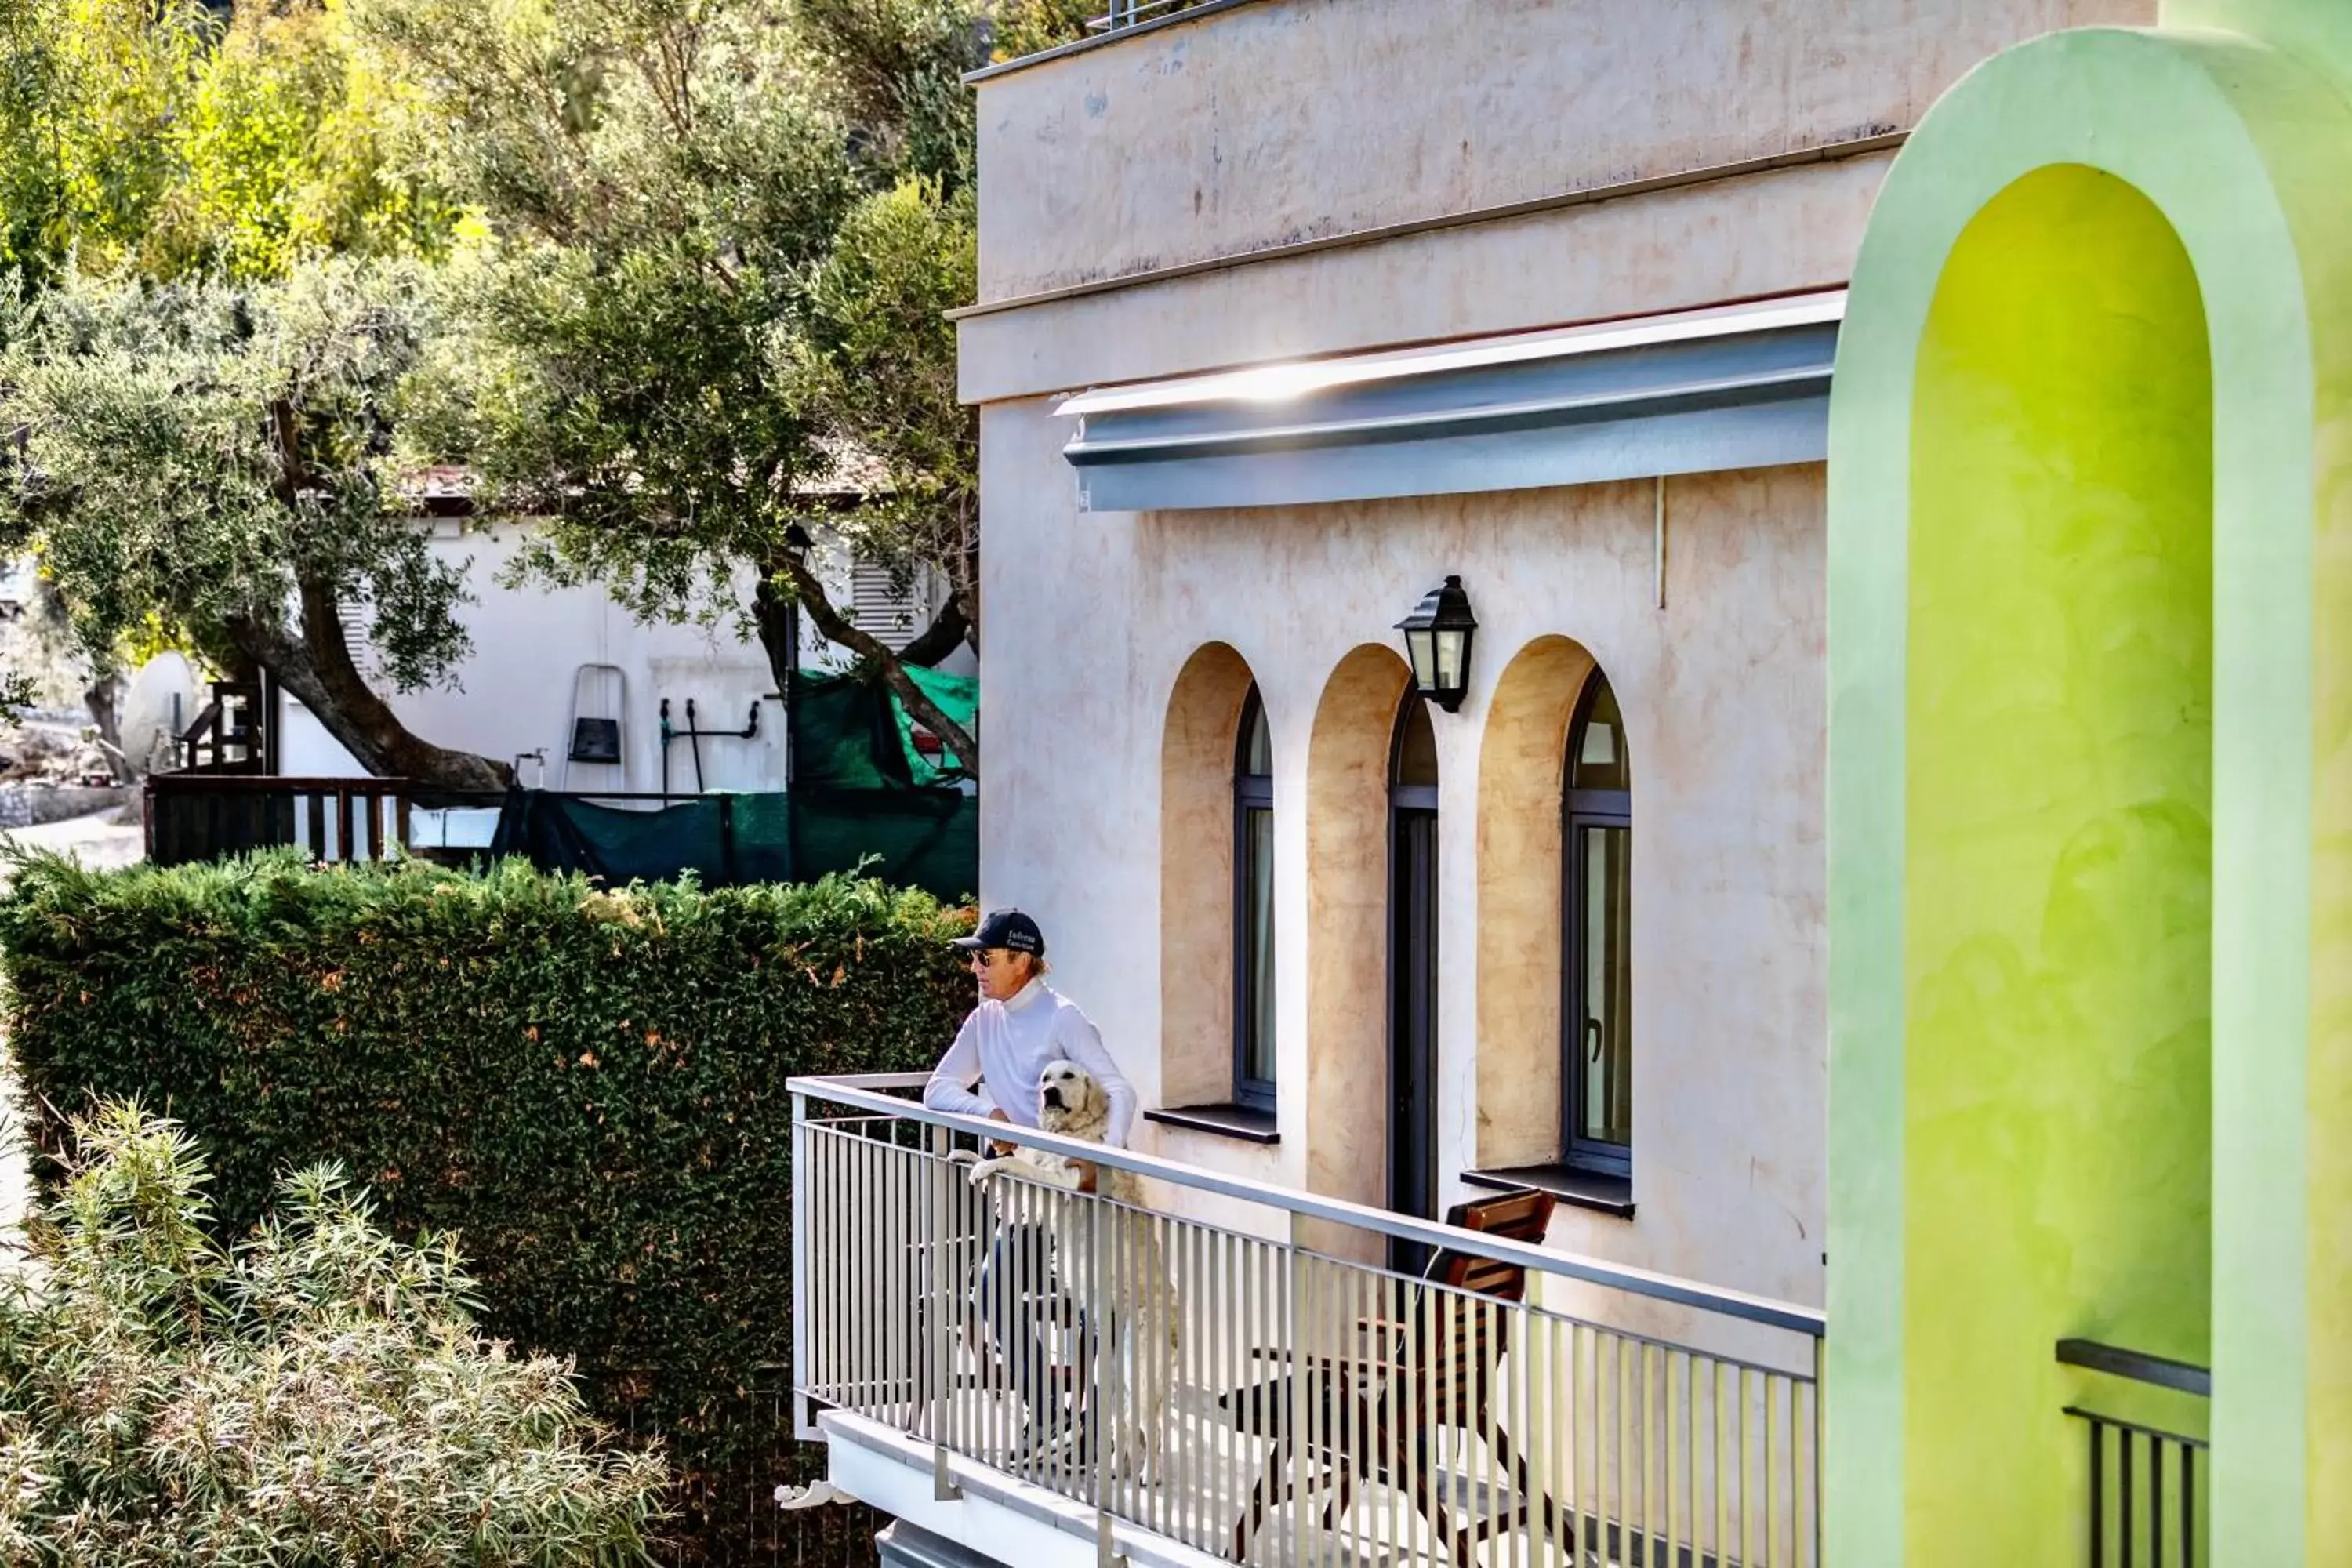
x=997, y=1148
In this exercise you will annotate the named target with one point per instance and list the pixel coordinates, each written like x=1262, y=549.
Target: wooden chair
x=1380, y=1417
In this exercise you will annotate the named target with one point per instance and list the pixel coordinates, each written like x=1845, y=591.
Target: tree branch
x=318, y=669
x=941, y=638
x=284, y=432
x=967, y=579
x=773, y=620
x=866, y=645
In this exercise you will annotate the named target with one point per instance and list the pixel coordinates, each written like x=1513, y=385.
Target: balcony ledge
x=997, y=1515
x=1199, y=12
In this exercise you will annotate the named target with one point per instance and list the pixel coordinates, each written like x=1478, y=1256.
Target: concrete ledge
x=1200, y=12
x=997, y=1515
x=1677, y=249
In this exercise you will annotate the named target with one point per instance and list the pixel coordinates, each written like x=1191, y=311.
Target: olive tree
x=209, y=464
x=720, y=237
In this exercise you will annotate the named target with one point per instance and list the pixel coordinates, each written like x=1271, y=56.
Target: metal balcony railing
x=1130, y=13
x=2147, y=1492
x=1246, y=1384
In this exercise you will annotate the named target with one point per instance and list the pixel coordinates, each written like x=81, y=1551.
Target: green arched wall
x=2015, y=476
x=2057, y=905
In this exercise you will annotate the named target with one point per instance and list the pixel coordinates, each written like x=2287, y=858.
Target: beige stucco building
x=1291, y=311
x=1292, y=180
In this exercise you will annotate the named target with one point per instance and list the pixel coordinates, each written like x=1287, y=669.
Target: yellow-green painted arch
x=2209, y=171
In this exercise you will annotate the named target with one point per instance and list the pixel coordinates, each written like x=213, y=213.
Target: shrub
x=586, y=1087
x=317, y=1394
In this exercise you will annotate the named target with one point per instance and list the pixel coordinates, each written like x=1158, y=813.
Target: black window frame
x=1581, y=809
x=1411, y=1180
x=1252, y=792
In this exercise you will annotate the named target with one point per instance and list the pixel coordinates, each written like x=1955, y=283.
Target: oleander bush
x=315, y=1394
x=585, y=1087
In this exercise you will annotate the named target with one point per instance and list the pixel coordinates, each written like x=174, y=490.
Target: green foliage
x=18, y=691
x=719, y=236
x=1032, y=27
x=315, y=1393
x=894, y=68
x=142, y=136
x=873, y=366
x=697, y=256
x=585, y=1088
x=200, y=377
x=89, y=90
x=283, y=153
x=655, y=175
x=195, y=453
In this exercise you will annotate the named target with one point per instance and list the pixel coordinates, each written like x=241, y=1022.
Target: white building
x=542, y=657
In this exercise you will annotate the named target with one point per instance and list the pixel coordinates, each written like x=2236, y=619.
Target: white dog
x=1116, y=1278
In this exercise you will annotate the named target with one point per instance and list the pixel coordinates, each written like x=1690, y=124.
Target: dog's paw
x=1134, y=1462
x=963, y=1156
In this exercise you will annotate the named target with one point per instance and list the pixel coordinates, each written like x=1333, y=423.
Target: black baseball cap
x=1008, y=929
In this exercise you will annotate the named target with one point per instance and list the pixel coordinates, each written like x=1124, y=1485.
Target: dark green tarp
x=927, y=838
x=850, y=733
x=862, y=795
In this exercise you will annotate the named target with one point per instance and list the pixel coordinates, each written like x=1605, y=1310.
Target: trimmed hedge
x=587, y=1086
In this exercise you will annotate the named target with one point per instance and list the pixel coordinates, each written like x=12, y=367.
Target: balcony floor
x=1205, y=1483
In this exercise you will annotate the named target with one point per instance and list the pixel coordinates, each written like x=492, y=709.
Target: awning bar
x=1300, y=378
x=1716, y=391
x=1736, y=387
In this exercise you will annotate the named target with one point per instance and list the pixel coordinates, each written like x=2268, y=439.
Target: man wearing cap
x=1021, y=1027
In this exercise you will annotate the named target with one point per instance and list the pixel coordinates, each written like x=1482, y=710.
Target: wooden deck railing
x=201, y=817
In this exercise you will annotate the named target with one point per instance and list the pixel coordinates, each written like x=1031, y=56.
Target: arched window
x=1254, y=1044
x=1597, y=1052
x=1412, y=761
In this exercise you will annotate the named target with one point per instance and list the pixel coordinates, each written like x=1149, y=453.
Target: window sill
x=1242, y=1121
x=1585, y=1189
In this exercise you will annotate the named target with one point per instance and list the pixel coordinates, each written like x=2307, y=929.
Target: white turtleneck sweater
x=1010, y=1044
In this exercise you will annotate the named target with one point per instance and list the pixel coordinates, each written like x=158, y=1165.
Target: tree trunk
x=101, y=701
x=316, y=668
x=866, y=645
x=771, y=618
x=968, y=593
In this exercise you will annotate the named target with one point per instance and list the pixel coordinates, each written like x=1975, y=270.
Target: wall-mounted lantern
x=1437, y=639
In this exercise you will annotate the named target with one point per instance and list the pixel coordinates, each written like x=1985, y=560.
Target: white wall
x=513, y=694
x=1293, y=119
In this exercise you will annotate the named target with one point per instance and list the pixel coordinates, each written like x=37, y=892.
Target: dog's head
x=1070, y=1101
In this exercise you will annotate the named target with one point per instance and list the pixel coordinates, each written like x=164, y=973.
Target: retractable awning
x=1736, y=387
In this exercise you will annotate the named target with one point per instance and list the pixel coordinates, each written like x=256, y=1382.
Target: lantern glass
x=1420, y=645
x=1453, y=650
